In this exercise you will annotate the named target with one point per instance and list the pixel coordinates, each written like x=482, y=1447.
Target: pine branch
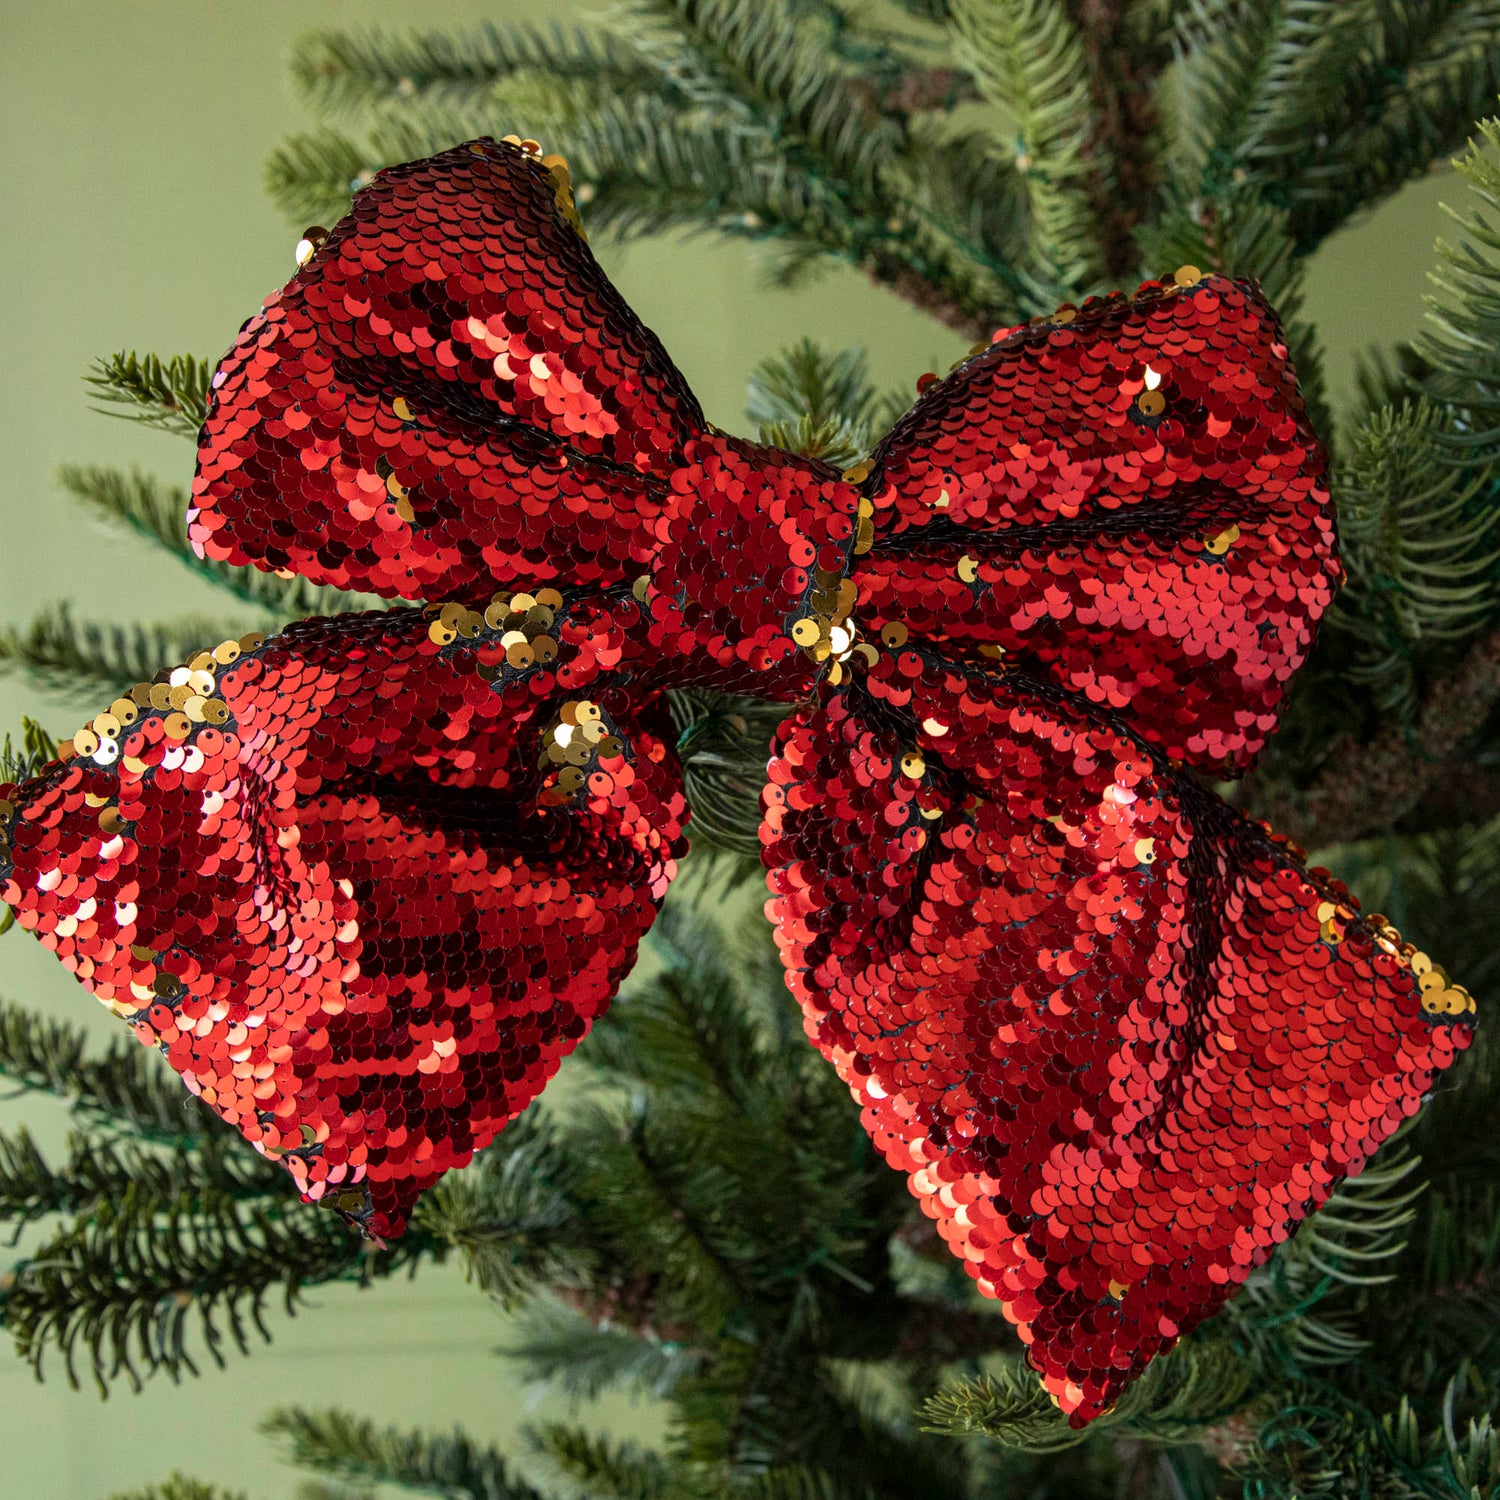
x=1419, y=546
x=1008, y=1403
x=96, y=662
x=689, y=1037
x=1460, y=348
x=1325, y=1444
x=643, y=165
x=724, y=743
x=742, y=130
x=1224, y=52
x=179, y=1487
x=99, y=1171
x=1381, y=88
x=125, y=1087
x=345, y=73
x=600, y=1467
x=1179, y=1395
x=752, y=57
x=652, y=1203
x=806, y=381
x=142, y=505
x=334, y=1442
x=965, y=211
x=169, y=394
x=514, y=1214
x=122, y=1284
x=779, y=1421
x=37, y=748
x=558, y=1347
x=1029, y=60
x=311, y=177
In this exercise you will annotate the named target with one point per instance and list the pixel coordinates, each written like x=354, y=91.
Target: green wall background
x=133, y=134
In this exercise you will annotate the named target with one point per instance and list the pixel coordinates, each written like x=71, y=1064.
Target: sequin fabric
x=336, y=880
x=365, y=883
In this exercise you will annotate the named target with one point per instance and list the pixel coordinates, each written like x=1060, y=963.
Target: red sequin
x=364, y=884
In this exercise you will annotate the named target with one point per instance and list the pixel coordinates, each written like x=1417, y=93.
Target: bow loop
x=448, y=392
x=362, y=896
x=1129, y=500
x=1120, y=1039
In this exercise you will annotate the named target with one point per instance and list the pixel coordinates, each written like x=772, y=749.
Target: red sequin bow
x=366, y=882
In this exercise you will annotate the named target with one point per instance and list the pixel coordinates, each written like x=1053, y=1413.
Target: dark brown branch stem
x=932, y=299
x=921, y=89
x=1125, y=171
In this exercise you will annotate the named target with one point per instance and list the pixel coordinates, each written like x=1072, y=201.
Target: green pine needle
x=514, y=1215
x=333, y=1442
x=311, y=177
x=345, y=73
x=1420, y=547
x=97, y=662
x=97, y=1171
x=124, y=1087
x=1028, y=59
x=603, y=1468
x=558, y=1348
x=1382, y=89
x=1461, y=348
x=724, y=744
x=140, y=1281
x=179, y=1487
x=36, y=749
x=1197, y=1384
x=169, y=394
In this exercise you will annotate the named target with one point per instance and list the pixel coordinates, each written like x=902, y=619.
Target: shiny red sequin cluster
x=350, y=907
x=431, y=391
x=1120, y=1038
x=1133, y=500
x=365, y=883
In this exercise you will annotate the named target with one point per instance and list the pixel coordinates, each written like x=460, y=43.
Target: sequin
x=365, y=883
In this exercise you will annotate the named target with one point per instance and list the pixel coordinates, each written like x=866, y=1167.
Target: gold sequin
x=1222, y=541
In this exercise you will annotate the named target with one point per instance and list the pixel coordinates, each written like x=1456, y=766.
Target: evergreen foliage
x=95, y=662
x=706, y=1223
x=170, y=394
x=180, y=1487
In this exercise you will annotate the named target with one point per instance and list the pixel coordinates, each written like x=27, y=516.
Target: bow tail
x=364, y=883
x=1121, y=1039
